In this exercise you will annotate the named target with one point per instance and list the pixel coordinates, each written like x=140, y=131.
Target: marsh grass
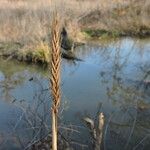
x=28, y=22
x=37, y=54
x=128, y=18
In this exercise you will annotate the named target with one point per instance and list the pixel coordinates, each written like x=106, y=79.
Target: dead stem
x=55, y=76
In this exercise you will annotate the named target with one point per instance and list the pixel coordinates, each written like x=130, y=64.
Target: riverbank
x=25, y=25
x=102, y=34
x=36, y=54
x=40, y=54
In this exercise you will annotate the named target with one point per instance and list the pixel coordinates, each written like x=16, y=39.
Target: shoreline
x=40, y=54
x=101, y=34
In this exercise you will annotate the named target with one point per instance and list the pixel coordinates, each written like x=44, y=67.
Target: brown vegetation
x=27, y=22
x=123, y=17
x=55, y=78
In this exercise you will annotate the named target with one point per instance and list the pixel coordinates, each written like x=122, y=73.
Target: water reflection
x=130, y=93
x=114, y=73
x=13, y=75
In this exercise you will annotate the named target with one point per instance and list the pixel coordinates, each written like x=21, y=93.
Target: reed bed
x=27, y=21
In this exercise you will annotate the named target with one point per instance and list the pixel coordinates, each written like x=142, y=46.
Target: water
x=115, y=74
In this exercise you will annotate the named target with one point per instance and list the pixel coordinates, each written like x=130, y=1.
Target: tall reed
x=55, y=76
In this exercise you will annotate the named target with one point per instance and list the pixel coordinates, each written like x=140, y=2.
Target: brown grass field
x=28, y=22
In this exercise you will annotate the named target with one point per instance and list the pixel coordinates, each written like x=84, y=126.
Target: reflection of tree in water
x=128, y=91
x=15, y=74
x=127, y=125
x=73, y=66
x=10, y=79
x=32, y=128
x=9, y=83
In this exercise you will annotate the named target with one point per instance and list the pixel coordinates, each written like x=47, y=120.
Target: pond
x=113, y=74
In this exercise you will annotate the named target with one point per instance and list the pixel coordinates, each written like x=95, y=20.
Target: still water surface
x=115, y=74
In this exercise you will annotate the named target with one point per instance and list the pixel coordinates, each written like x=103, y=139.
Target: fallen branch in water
x=96, y=131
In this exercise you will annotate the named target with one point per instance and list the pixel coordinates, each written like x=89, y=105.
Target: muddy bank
x=39, y=55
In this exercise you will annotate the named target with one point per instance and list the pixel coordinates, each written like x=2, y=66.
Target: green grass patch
x=37, y=54
x=101, y=33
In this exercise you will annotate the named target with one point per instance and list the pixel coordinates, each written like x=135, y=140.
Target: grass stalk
x=55, y=77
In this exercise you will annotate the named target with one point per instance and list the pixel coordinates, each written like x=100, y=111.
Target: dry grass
x=55, y=77
x=129, y=17
x=28, y=21
x=38, y=53
x=23, y=21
